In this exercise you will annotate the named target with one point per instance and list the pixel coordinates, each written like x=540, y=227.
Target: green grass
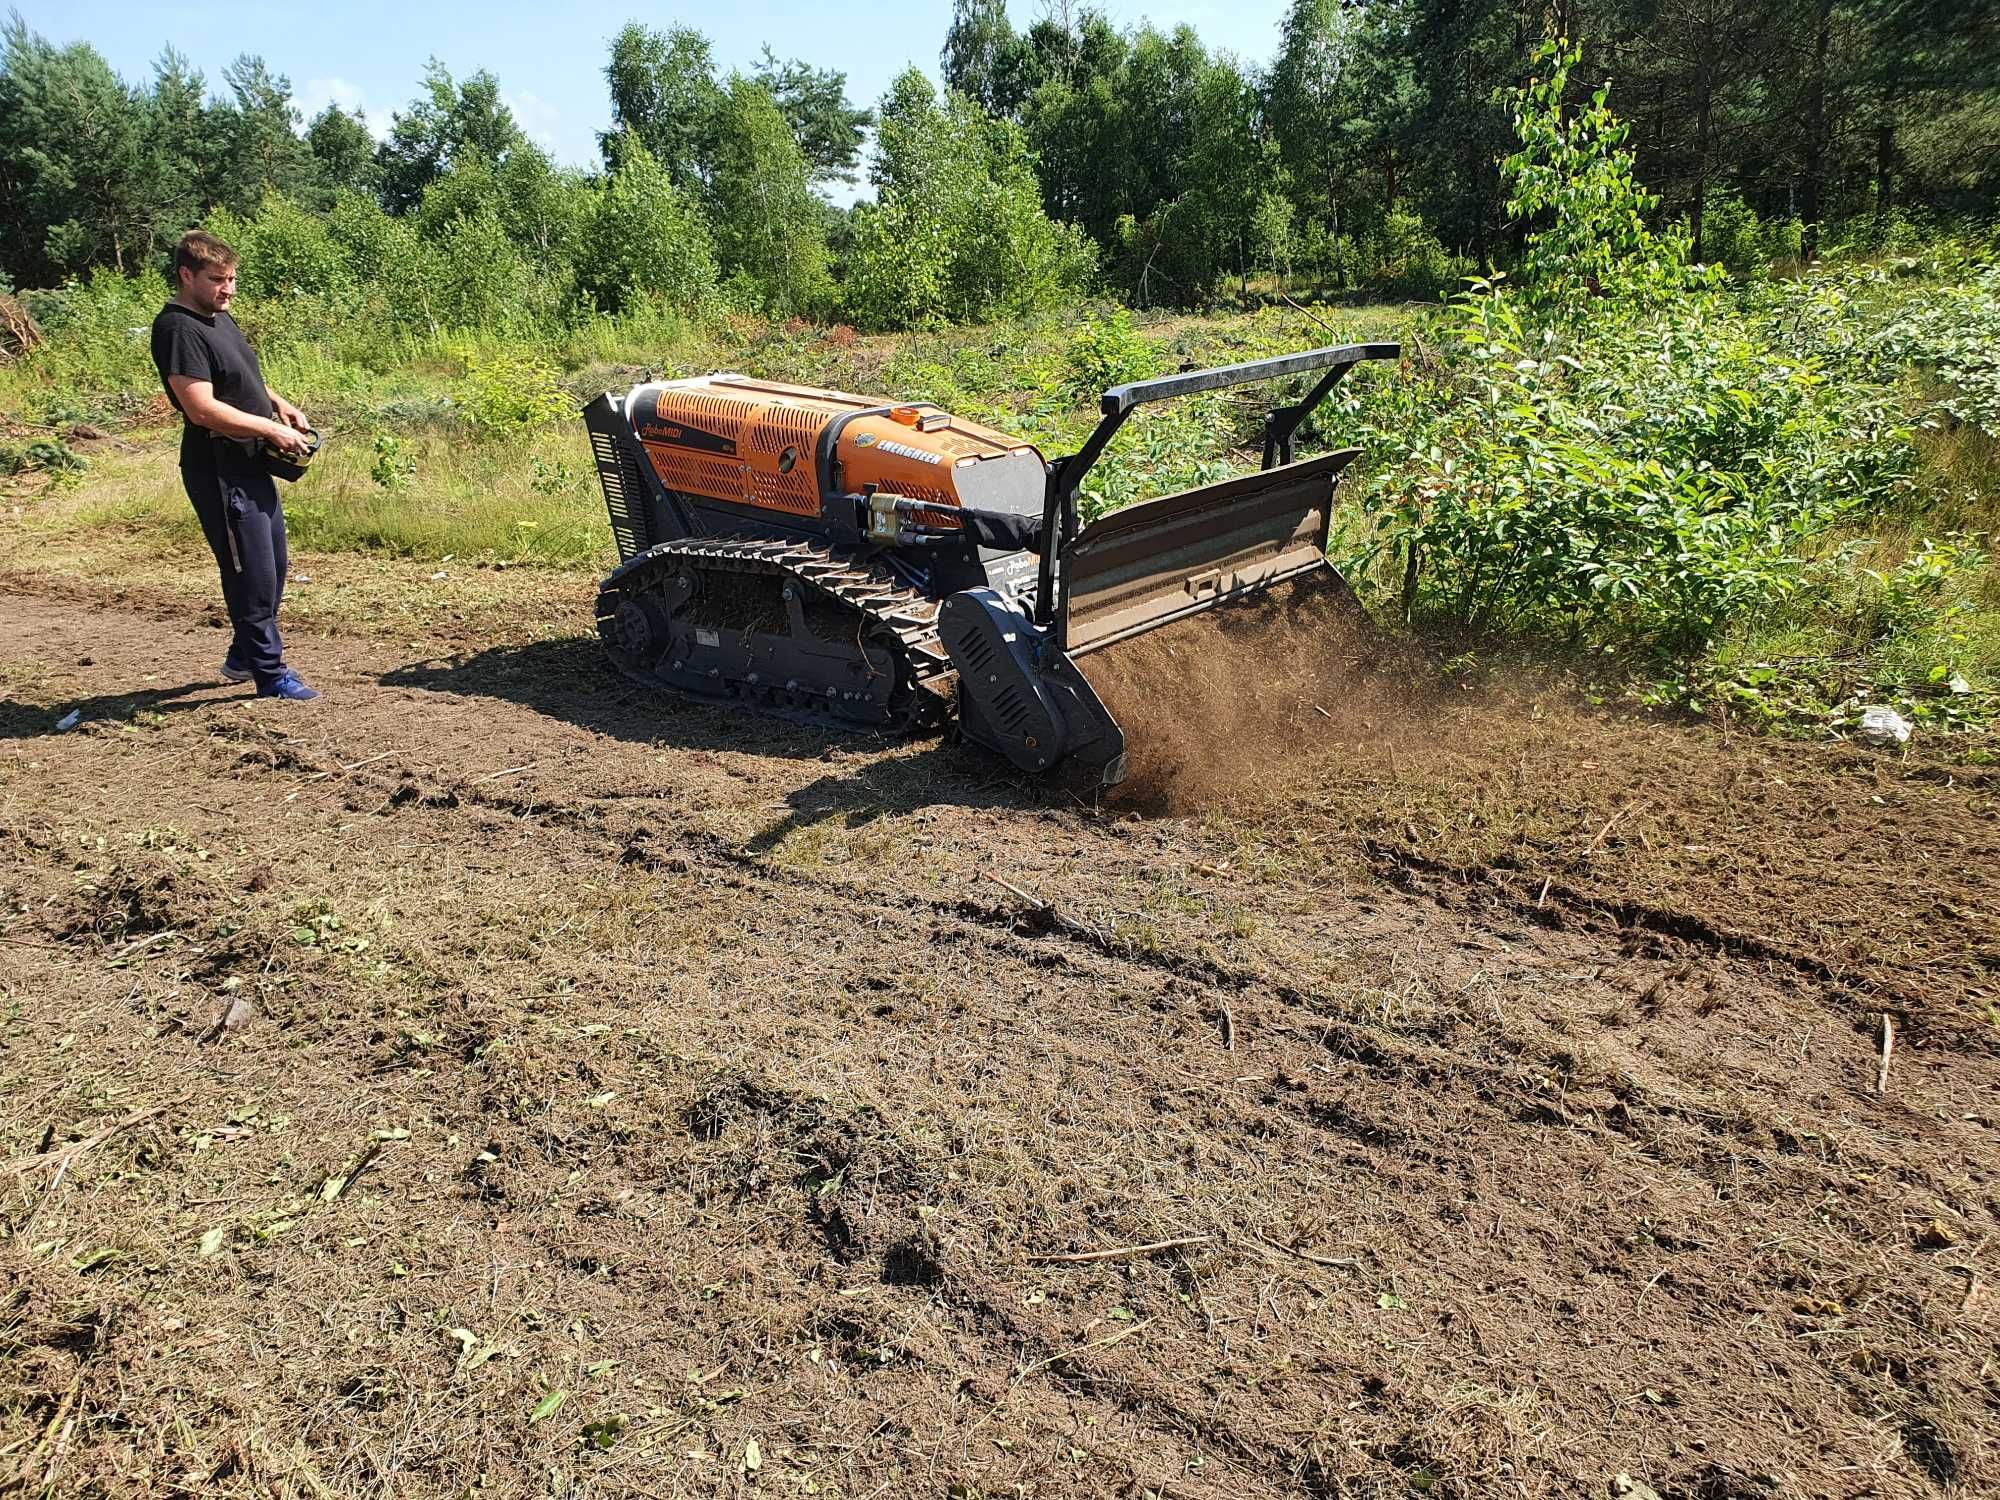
x=528, y=499
x=1874, y=624
x=531, y=496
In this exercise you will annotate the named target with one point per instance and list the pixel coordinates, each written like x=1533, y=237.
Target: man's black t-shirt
x=213, y=349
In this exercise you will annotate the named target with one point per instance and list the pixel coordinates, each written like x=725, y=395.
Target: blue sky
x=549, y=58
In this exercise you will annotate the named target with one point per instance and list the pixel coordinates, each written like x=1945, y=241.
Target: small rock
x=1937, y=1235
x=237, y=1014
x=1884, y=727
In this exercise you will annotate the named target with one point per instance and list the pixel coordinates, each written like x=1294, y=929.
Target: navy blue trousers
x=244, y=521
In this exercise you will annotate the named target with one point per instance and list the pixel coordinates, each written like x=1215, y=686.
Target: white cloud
x=317, y=93
x=536, y=117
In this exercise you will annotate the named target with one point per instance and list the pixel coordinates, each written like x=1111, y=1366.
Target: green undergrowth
x=1779, y=498
x=430, y=496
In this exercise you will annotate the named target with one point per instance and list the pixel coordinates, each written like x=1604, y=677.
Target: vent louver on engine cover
x=624, y=490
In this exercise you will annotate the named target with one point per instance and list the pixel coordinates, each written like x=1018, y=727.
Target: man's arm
x=197, y=399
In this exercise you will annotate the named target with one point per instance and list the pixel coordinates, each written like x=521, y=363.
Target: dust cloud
x=1216, y=707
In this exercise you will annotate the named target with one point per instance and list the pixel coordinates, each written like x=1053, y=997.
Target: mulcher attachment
x=1139, y=568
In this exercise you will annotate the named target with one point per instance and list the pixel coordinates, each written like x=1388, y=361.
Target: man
x=212, y=378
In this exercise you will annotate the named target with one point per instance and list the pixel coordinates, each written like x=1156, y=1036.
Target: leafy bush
x=644, y=241
x=1784, y=239
x=1160, y=450
x=511, y=391
x=1641, y=481
x=393, y=466
x=1105, y=350
x=1918, y=611
x=555, y=476
x=1910, y=592
x=1401, y=255
x=1618, y=456
x=1572, y=176
x=1732, y=236
x=1953, y=333
x=285, y=251
x=97, y=332
x=41, y=456
x=958, y=233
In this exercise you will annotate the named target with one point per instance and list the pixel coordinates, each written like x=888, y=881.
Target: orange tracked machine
x=845, y=560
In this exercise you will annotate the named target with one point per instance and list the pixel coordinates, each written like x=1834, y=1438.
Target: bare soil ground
x=494, y=1080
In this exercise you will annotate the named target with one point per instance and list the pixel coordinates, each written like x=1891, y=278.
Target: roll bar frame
x=1060, y=522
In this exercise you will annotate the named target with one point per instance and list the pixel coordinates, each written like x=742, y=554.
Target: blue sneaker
x=234, y=670
x=287, y=686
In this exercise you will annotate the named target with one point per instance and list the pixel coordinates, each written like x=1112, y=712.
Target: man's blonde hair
x=197, y=249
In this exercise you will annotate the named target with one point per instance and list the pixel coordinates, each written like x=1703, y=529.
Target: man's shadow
x=27, y=721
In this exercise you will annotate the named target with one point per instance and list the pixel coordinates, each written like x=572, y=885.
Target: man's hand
x=289, y=414
x=290, y=440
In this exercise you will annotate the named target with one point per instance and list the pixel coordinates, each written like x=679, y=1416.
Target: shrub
x=1402, y=255
x=44, y=456
x=1953, y=334
x=1105, y=350
x=958, y=233
x=1637, y=481
x=644, y=241
x=511, y=391
x=1918, y=626
x=1732, y=236
x=1160, y=450
x=286, y=251
x=393, y=466
x=1783, y=239
x=96, y=332
x=1573, y=177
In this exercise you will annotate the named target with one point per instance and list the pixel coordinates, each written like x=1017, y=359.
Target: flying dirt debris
x=844, y=560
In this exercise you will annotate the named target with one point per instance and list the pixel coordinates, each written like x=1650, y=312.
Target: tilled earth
x=494, y=1079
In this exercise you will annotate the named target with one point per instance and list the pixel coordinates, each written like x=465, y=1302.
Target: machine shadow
x=570, y=680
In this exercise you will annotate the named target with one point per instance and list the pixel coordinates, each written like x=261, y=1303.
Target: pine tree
x=827, y=127
x=73, y=163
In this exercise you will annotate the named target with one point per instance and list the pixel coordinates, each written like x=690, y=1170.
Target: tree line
x=1379, y=125
x=1367, y=153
